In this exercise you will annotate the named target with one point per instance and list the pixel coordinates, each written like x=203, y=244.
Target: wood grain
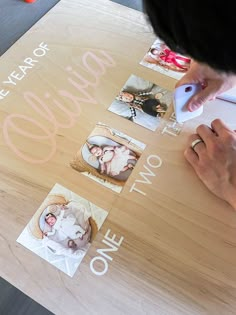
x=178, y=255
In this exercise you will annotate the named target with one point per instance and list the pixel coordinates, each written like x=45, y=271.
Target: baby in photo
x=161, y=59
x=62, y=229
x=146, y=102
x=142, y=102
x=64, y=226
x=113, y=159
x=108, y=157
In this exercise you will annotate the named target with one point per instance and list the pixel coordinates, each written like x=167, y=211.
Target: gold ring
x=195, y=142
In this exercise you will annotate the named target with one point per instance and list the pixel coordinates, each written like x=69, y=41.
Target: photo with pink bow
x=161, y=59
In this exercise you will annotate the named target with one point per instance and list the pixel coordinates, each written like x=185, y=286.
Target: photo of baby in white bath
x=62, y=229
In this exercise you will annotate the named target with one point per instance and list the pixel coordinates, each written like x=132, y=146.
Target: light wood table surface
x=178, y=253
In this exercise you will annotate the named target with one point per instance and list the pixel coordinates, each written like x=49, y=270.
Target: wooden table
x=174, y=250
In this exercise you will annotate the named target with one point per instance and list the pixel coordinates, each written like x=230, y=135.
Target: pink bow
x=169, y=56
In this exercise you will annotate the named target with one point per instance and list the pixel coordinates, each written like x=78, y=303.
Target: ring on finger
x=195, y=142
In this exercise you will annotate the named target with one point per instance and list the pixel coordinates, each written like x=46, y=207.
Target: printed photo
x=142, y=102
x=160, y=58
x=63, y=228
x=108, y=157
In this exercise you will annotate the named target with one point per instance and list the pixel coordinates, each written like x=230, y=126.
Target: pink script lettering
x=47, y=124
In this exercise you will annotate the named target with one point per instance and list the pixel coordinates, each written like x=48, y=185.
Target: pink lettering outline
x=44, y=111
x=8, y=122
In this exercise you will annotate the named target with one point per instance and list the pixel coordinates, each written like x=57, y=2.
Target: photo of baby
x=160, y=58
x=108, y=157
x=142, y=102
x=63, y=228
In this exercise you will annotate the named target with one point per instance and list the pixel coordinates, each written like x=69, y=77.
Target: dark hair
x=49, y=215
x=202, y=29
x=93, y=146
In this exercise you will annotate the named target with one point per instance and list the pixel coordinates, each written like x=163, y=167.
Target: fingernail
x=193, y=107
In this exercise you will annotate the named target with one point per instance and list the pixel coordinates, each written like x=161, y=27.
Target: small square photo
x=63, y=228
x=108, y=157
x=161, y=59
x=142, y=102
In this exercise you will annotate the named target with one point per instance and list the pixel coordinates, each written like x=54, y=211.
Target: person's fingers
x=206, y=134
x=192, y=138
x=191, y=157
x=196, y=146
x=193, y=76
x=219, y=127
x=200, y=98
x=188, y=78
x=199, y=148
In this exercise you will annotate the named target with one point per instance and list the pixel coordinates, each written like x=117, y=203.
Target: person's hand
x=214, y=159
x=213, y=83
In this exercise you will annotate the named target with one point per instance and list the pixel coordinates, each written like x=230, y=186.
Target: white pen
x=229, y=96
